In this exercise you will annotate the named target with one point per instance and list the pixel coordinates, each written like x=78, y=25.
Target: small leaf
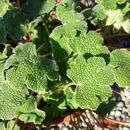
x=30, y=113
x=99, y=11
x=74, y=19
x=120, y=59
x=67, y=5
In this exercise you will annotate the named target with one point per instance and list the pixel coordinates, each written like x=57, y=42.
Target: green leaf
x=59, y=38
x=34, y=8
x=9, y=99
x=88, y=43
x=117, y=18
x=13, y=25
x=30, y=113
x=99, y=11
x=92, y=78
x=29, y=69
x=4, y=7
x=74, y=19
x=10, y=126
x=70, y=98
x=67, y=5
x=2, y=126
x=108, y=4
x=120, y=59
x=3, y=32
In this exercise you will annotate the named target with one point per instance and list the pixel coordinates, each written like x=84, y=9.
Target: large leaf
x=120, y=59
x=92, y=78
x=29, y=69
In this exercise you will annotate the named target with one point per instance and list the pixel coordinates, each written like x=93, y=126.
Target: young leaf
x=99, y=11
x=92, y=78
x=120, y=59
x=67, y=5
x=70, y=98
x=74, y=19
x=30, y=113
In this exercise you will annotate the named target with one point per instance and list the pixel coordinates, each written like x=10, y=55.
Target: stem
x=118, y=122
x=18, y=3
x=46, y=29
x=39, y=99
x=117, y=35
x=119, y=93
x=91, y=126
x=68, y=85
x=114, y=121
x=15, y=122
x=47, y=54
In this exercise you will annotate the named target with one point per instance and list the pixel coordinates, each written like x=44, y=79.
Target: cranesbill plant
x=51, y=63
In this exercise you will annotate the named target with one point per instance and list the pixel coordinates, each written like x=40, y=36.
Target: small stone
x=112, y=113
x=120, y=104
x=125, y=128
x=117, y=114
x=126, y=93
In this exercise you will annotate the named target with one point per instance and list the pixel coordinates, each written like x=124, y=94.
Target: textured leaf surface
x=99, y=11
x=67, y=5
x=34, y=8
x=90, y=43
x=93, y=78
x=120, y=59
x=29, y=69
x=117, y=18
x=9, y=99
x=30, y=113
x=74, y=19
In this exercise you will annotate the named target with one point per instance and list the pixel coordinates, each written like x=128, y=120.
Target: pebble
x=120, y=104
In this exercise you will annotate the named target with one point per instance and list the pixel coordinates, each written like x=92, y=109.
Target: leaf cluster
x=52, y=63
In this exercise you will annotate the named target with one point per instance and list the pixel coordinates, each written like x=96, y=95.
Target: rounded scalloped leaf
x=34, y=74
x=120, y=59
x=74, y=19
x=99, y=11
x=92, y=78
x=21, y=52
x=25, y=68
x=66, y=5
x=88, y=43
x=90, y=97
x=9, y=99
